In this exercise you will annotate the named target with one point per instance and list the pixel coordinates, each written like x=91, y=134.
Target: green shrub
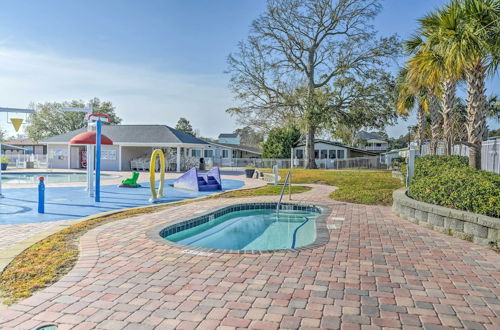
x=4, y=160
x=432, y=165
x=448, y=181
x=404, y=170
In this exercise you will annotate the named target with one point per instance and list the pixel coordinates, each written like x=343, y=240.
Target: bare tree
x=304, y=45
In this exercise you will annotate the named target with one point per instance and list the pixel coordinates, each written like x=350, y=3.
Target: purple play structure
x=192, y=180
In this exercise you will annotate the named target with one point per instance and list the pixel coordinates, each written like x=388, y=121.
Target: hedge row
x=448, y=181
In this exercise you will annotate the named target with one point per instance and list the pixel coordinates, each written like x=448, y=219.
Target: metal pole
x=98, y=161
x=1, y=196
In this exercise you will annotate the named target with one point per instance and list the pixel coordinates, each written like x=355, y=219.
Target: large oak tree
x=50, y=121
x=288, y=70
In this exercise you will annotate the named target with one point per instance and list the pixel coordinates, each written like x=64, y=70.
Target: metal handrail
x=287, y=181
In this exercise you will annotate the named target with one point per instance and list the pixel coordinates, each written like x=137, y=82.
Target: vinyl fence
x=27, y=161
x=490, y=153
x=374, y=162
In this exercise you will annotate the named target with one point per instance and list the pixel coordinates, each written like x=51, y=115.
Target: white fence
x=490, y=153
x=359, y=162
x=27, y=161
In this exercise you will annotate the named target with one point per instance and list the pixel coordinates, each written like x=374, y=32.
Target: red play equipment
x=90, y=138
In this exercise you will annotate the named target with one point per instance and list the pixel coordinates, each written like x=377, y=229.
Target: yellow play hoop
x=156, y=194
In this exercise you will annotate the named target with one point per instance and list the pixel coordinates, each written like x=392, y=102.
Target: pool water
x=50, y=177
x=257, y=229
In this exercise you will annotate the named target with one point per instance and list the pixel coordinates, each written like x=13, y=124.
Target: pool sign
x=16, y=122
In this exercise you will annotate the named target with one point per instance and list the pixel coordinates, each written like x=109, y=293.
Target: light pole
x=90, y=150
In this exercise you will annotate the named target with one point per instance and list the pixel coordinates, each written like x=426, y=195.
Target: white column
x=69, y=156
x=119, y=158
x=178, y=169
x=90, y=170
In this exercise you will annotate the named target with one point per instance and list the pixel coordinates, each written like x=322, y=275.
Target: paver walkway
x=377, y=270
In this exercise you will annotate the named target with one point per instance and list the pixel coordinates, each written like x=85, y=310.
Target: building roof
x=4, y=146
x=22, y=142
x=370, y=136
x=241, y=147
x=338, y=144
x=228, y=135
x=123, y=134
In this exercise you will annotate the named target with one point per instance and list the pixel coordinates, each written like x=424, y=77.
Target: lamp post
x=410, y=169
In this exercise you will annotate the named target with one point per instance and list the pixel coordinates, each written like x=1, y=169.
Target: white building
x=133, y=145
x=229, y=138
x=327, y=153
x=372, y=142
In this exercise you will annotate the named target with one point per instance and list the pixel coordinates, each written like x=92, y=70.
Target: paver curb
x=473, y=227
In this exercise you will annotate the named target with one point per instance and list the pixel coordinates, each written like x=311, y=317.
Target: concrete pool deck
x=377, y=271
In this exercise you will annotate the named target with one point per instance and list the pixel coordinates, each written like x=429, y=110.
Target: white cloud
x=141, y=94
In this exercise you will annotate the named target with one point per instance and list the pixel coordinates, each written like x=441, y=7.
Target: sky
x=156, y=60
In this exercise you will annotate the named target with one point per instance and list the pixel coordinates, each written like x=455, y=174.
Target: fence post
x=411, y=167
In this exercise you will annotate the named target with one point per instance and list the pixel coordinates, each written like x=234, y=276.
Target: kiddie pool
x=50, y=177
x=251, y=228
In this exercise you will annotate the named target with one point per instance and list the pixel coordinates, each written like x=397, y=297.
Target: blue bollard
x=41, y=195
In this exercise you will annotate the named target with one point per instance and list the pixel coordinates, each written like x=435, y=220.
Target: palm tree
x=428, y=88
x=427, y=67
x=471, y=46
x=409, y=95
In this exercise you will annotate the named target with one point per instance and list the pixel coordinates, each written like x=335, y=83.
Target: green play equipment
x=131, y=182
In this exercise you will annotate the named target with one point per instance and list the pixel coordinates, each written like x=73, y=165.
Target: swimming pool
x=249, y=228
x=50, y=177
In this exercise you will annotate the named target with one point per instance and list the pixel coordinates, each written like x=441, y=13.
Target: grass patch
x=355, y=186
x=263, y=191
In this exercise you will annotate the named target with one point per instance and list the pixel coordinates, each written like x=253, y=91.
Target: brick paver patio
x=377, y=271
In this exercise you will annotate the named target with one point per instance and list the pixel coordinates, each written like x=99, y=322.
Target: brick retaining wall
x=472, y=227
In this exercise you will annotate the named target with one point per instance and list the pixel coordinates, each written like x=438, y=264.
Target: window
x=225, y=153
x=196, y=153
x=340, y=154
x=208, y=153
x=299, y=153
x=316, y=154
x=324, y=154
x=379, y=144
x=332, y=154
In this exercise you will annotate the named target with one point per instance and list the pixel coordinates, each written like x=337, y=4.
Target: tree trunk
x=421, y=126
x=435, y=122
x=447, y=101
x=476, y=113
x=309, y=159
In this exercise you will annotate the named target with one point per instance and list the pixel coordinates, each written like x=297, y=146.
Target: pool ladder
x=288, y=181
